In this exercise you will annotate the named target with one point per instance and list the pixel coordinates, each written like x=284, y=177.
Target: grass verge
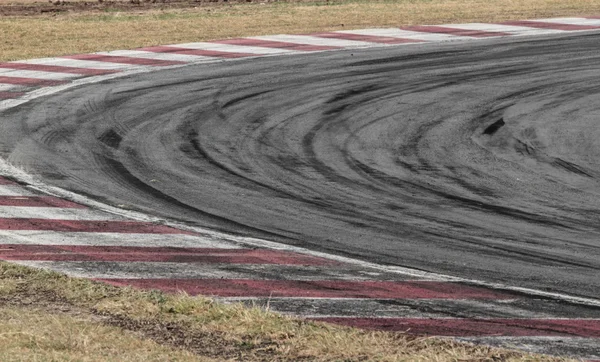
x=52, y=35
x=49, y=316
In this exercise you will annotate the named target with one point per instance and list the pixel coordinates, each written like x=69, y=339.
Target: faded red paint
x=88, y=226
x=56, y=69
x=31, y=81
x=10, y=95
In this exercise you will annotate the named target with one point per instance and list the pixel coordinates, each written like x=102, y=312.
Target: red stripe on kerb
x=477, y=327
x=37, y=201
x=157, y=254
x=315, y=289
x=88, y=226
x=367, y=38
x=553, y=26
x=275, y=44
x=199, y=52
x=30, y=81
x=124, y=60
x=56, y=69
x=5, y=181
x=10, y=95
x=454, y=31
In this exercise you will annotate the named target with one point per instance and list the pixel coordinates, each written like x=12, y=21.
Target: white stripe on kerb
x=313, y=40
x=571, y=21
x=408, y=34
x=511, y=29
x=37, y=237
x=14, y=190
x=86, y=64
x=55, y=213
x=11, y=87
x=234, y=48
x=5, y=72
x=157, y=56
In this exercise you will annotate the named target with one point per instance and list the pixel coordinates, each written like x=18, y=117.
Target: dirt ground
x=37, y=7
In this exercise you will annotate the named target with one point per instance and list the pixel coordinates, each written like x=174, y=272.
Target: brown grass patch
x=49, y=316
x=52, y=35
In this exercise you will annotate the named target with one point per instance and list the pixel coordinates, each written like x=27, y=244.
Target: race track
x=478, y=160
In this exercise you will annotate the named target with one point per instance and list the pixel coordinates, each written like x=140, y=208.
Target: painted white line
x=313, y=40
x=4, y=72
x=55, y=213
x=192, y=270
x=158, y=56
x=571, y=21
x=86, y=64
x=406, y=34
x=12, y=87
x=511, y=29
x=36, y=237
x=234, y=48
x=14, y=190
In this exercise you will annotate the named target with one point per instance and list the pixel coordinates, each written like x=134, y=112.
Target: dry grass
x=39, y=36
x=30, y=334
x=195, y=324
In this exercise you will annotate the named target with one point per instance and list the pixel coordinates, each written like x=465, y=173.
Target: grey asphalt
x=474, y=159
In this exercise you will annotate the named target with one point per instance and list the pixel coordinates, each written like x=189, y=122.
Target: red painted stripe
x=30, y=81
x=275, y=44
x=157, y=254
x=9, y=95
x=124, y=60
x=477, y=327
x=315, y=289
x=367, y=38
x=553, y=26
x=88, y=226
x=56, y=69
x=5, y=181
x=200, y=52
x=453, y=31
x=37, y=201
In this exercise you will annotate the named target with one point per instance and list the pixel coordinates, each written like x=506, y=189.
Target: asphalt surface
x=476, y=159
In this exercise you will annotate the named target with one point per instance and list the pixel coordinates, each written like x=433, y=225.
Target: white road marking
x=6, y=72
x=27, y=212
x=407, y=34
x=37, y=237
x=229, y=48
x=15, y=190
x=571, y=21
x=86, y=64
x=159, y=56
x=511, y=29
x=313, y=40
